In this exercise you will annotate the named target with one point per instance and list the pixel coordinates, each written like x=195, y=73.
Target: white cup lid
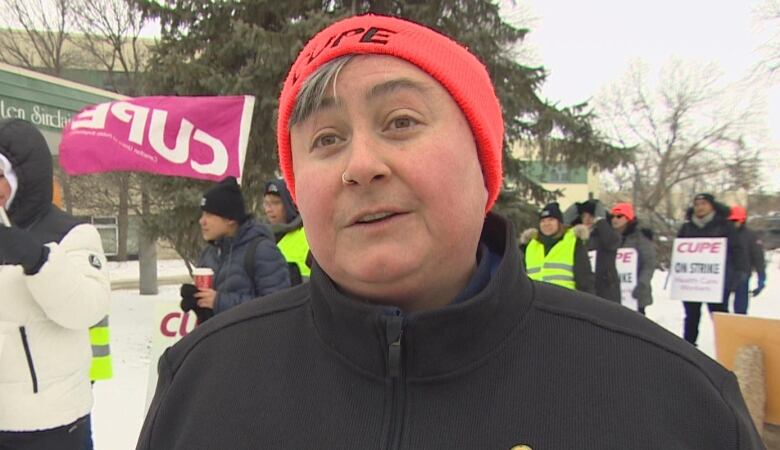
x=200, y=271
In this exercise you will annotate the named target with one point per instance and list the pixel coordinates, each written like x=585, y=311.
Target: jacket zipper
x=30, y=365
x=395, y=371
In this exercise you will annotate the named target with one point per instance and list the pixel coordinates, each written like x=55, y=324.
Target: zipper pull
x=395, y=331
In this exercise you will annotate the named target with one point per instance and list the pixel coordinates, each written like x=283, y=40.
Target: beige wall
x=571, y=192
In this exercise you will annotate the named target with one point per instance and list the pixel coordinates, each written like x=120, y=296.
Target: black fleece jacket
x=754, y=248
x=521, y=362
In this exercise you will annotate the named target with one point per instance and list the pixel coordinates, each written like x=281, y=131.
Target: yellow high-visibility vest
x=99, y=337
x=295, y=248
x=557, y=267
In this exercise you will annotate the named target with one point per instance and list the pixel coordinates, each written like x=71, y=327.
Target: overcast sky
x=585, y=46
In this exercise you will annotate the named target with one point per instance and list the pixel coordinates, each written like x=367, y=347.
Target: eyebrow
x=379, y=90
x=391, y=86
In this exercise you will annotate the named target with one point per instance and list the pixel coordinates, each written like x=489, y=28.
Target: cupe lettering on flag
x=195, y=137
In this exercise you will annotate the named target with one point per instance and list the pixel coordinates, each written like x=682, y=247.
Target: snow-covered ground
x=119, y=402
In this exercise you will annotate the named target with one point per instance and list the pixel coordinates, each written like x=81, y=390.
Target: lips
x=374, y=216
x=369, y=218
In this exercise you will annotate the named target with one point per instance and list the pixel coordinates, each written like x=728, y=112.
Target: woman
x=624, y=221
x=557, y=254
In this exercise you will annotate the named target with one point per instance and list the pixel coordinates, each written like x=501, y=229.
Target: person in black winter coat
x=755, y=255
x=236, y=245
x=419, y=327
x=604, y=241
x=639, y=238
x=708, y=218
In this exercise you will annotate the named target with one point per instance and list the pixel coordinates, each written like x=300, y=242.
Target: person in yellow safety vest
x=99, y=337
x=557, y=254
x=101, y=367
x=287, y=227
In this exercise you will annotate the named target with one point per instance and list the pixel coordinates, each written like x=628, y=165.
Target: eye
x=401, y=123
x=326, y=140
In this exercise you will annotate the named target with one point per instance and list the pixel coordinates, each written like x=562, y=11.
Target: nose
x=202, y=221
x=367, y=160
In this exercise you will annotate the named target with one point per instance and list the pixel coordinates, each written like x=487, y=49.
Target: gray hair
x=313, y=89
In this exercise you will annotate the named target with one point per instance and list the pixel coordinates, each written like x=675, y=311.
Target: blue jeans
x=741, y=297
x=87, y=442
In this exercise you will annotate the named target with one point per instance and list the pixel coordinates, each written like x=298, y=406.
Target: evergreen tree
x=247, y=47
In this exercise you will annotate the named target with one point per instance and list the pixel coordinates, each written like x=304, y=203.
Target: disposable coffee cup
x=204, y=277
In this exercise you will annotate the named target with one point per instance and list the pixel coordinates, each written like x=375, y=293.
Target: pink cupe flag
x=194, y=137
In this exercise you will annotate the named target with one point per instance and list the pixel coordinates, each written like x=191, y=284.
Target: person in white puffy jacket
x=53, y=286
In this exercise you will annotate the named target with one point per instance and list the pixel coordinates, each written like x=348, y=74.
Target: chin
x=373, y=273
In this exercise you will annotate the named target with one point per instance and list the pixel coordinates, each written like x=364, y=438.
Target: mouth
x=375, y=217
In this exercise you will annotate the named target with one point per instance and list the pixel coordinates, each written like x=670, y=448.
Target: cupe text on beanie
x=449, y=63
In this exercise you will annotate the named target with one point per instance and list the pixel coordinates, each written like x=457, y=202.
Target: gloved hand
x=188, y=300
x=761, y=284
x=190, y=303
x=19, y=247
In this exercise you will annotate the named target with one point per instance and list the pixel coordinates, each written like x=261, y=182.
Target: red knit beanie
x=449, y=63
x=623, y=209
x=738, y=214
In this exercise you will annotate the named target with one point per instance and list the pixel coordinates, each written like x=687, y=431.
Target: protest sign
x=195, y=137
x=592, y=258
x=698, y=269
x=170, y=325
x=626, y=262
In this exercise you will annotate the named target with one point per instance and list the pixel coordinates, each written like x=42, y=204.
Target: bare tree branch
x=686, y=130
x=39, y=43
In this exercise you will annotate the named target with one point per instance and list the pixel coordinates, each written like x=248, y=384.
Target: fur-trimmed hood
x=580, y=232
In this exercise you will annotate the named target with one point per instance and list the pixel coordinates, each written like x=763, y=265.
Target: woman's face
x=389, y=185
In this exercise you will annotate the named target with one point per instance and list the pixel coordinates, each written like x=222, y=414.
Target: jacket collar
x=246, y=231
x=434, y=343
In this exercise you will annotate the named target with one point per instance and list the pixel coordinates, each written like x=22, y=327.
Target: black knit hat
x=225, y=200
x=587, y=207
x=551, y=210
x=705, y=196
